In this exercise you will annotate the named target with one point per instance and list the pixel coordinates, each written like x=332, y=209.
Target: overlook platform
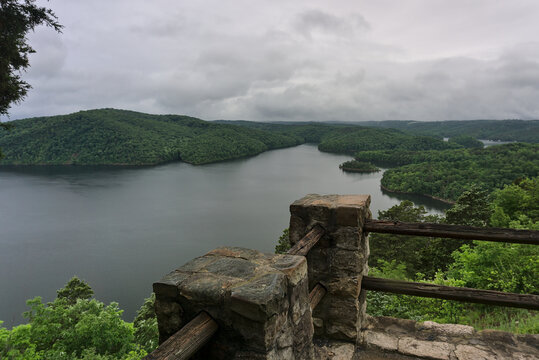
x=401, y=339
x=235, y=303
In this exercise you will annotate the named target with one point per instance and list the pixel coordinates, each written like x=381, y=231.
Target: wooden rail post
x=338, y=260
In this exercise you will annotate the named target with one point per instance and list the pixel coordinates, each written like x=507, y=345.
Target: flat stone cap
x=334, y=201
x=251, y=282
x=343, y=210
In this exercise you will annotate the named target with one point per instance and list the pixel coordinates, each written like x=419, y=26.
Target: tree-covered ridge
x=119, y=137
x=309, y=132
x=352, y=140
x=349, y=139
x=403, y=157
x=446, y=174
x=505, y=130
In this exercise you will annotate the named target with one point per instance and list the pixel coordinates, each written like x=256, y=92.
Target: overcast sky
x=290, y=60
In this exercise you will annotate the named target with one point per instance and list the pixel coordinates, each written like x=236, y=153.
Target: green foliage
x=497, y=266
x=406, y=211
x=503, y=266
x=472, y=208
x=517, y=205
x=145, y=325
x=62, y=328
x=16, y=344
x=4, y=126
x=466, y=141
x=358, y=166
x=17, y=19
x=405, y=157
x=417, y=254
x=481, y=264
x=446, y=174
x=83, y=329
x=351, y=140
x=444, y=311
x=284, y=242
x=117, y=137
x=390, y=270
x=310, y=132
x=412, y=307
x=519, y=321
x=75, y=289
x=505, y=130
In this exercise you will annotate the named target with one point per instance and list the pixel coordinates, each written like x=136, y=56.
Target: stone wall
x=260, y=301
x=338, y=261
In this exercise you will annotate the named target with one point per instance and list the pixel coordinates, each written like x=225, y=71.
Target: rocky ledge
x=430, y=340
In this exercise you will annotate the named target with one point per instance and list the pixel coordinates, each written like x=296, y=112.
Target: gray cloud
x=304, y=61
x=316, y=20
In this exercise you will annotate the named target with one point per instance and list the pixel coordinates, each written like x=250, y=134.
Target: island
x=358, y=166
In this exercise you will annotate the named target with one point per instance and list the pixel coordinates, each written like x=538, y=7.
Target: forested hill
x=505, y=130
x=448, y=173
x=351, y=138
x=119, y=137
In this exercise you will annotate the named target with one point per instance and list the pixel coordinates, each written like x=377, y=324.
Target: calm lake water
x=122, y=229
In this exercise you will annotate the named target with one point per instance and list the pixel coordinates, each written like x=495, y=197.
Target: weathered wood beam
x=488, y=297
x=303, y=246
x=453, y=231
x=316, y=294
x=186, y=341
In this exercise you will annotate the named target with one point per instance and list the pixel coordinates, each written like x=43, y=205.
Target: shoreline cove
x=449, y=202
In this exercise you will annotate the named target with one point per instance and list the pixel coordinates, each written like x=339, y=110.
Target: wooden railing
x=453, y=231
x=194, y=335
x=303, y=247
x=186, y=341
x=489, y=297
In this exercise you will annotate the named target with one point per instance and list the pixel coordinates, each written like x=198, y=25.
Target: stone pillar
x=260, y=301
x=338, y=261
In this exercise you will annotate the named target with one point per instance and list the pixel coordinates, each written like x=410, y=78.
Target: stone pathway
x=400, y=339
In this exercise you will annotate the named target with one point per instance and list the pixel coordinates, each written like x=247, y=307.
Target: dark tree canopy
x=472, y=208
x=17, y=19
x=75, y=289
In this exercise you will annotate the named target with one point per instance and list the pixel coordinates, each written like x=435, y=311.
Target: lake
x=121, y=229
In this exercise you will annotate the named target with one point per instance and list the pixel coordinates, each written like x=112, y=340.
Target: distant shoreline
x=450, y=202
x=355, y=170
x=141, y=165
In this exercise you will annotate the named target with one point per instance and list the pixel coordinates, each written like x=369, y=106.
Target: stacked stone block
x=338, y=261
x=260, y=302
